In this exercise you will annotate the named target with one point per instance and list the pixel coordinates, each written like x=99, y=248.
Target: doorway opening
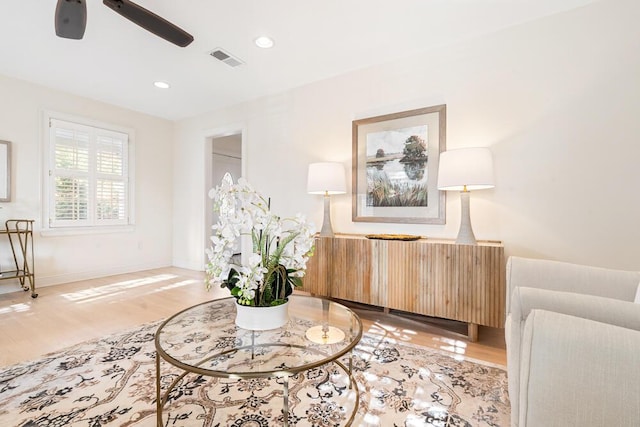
x=223, y=154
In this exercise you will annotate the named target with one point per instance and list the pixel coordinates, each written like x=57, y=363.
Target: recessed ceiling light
x=264, y=42
x=162, y=85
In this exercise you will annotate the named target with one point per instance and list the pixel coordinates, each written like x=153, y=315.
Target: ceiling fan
x=71, y=20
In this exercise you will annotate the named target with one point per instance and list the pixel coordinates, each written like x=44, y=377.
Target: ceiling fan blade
x=71, y=19
x=150, y=21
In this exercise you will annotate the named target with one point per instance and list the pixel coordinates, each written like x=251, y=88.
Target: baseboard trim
x=188, y=264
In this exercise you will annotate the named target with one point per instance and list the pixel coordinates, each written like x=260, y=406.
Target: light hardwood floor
x=67, y=314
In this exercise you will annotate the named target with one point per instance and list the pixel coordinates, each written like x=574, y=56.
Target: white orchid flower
x=243, y=211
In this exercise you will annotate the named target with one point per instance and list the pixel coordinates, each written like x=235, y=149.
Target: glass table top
x=205, y=339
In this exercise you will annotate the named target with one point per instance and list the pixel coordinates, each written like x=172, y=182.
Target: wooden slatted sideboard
x=435, y=278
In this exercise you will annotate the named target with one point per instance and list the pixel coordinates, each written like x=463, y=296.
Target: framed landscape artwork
x=395, y=167
x=5, y=171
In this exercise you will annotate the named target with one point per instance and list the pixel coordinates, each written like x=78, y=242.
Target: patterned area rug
x=111, y=382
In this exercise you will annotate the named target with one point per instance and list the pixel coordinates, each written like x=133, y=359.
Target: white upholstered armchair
x=573, y=345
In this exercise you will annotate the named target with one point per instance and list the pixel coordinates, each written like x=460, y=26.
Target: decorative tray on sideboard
x=405, y=237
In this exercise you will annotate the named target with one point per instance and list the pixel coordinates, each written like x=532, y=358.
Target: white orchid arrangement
x=281, y=246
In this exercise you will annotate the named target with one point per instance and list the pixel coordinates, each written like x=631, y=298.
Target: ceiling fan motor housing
x=71, y=19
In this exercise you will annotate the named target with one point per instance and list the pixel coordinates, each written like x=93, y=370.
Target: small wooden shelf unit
x=436, y=278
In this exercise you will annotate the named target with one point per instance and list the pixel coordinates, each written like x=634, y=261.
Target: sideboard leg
x=472, y=332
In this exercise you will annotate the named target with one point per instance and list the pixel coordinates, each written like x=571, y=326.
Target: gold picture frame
x=395, y=167
x=5, y=171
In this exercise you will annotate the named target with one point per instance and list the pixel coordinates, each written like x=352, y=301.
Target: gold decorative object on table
x=405, y=237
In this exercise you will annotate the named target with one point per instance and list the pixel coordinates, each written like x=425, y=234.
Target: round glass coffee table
x=319, y=332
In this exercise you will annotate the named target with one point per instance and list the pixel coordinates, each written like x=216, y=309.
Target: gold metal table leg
x=158, y=399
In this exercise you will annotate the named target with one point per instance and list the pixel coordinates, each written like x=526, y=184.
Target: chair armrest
x=578, y=372
x=606, y=310
x=566, y=277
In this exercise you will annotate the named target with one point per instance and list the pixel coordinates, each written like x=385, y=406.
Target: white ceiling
x=117, y=61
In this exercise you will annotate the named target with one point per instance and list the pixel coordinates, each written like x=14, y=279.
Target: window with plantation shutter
x=88, y=176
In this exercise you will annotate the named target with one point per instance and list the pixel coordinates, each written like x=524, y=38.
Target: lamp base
x=326, y=230
x=324, y=334
x=465, y=234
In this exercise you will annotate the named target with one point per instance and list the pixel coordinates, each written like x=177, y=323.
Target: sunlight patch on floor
x=381, y=331
x=15, y=308
x=176, y=285
x=457, y=348
x=392, y=332
x=453, y=349
x=99, y=297
x=452, y=346
x=115, y=288
x=371, y=419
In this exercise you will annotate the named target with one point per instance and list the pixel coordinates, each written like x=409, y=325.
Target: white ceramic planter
x=262, y=318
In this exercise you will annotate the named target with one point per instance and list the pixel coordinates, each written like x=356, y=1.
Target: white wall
x=62, y=259
x=557, y=100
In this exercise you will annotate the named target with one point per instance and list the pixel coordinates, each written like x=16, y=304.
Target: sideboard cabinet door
x=432, y=278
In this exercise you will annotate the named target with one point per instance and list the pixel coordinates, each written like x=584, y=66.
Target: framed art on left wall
x=5, y=171
x=395, y=167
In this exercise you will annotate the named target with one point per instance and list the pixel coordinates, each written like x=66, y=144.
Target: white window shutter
x=88, y=176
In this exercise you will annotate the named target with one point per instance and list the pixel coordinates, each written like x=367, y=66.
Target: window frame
x=91, y=224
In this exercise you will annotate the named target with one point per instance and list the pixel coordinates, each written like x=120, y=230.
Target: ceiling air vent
x=226, y=57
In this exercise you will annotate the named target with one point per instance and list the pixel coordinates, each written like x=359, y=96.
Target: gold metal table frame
x=20, y=235
x=328, y=315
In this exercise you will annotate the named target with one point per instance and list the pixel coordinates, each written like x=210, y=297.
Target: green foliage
x=415, y=148
x=278, y=285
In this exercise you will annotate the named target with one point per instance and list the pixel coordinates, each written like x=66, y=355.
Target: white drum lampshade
x=326, y=178
x=464, y=170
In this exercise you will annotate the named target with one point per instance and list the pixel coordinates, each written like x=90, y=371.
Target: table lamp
x=465, y=170
x=326, y=178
